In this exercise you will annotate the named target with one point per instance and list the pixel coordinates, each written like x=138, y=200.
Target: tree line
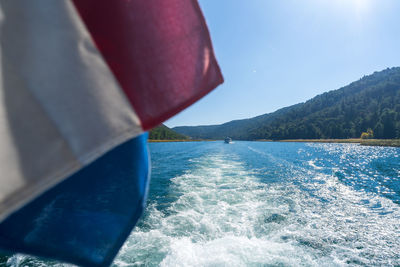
x=373, y=102
x=162, y=132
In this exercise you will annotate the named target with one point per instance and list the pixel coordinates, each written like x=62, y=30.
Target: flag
x=81, y=81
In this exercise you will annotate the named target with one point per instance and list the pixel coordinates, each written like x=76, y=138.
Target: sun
x=360, y=5
x=358, y=8
x=357, y=5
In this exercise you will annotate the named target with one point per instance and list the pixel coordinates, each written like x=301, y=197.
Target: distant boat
x=228, y=140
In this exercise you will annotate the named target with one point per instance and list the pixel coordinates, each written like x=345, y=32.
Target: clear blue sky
x=276, y=53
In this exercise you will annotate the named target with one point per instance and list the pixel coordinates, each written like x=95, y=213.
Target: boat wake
x=223, y=216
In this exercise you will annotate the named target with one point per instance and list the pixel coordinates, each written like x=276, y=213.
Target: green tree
x=369, y=134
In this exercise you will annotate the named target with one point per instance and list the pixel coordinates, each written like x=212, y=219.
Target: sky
x=276, y=53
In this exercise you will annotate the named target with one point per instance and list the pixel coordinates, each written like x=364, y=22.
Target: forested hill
x=371, y=102
x=162, y=132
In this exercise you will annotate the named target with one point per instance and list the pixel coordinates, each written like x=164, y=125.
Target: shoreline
x=177, y=140
x=362, y=142
x=352, y=140
x=381, y=142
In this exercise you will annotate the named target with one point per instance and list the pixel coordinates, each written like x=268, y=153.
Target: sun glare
x=358, y=8
x=358, y=5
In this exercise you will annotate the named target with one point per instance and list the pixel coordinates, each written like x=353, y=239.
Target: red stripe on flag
x=160, y=52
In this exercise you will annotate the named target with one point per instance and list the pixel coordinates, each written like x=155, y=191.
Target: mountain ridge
x=162, y=132
x=370, y=102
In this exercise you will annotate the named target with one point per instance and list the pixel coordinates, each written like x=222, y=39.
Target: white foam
x=234, y=251
x=222, y=217
x=312, y=164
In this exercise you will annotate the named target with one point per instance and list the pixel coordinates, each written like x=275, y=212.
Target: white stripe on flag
x=61, y=105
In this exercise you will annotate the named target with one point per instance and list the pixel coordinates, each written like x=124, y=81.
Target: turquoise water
x=266, y=204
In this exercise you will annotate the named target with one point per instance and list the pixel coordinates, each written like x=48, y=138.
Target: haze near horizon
x=275, y=54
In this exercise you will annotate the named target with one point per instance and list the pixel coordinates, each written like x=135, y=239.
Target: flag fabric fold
x=167, y=54
x=80, y=82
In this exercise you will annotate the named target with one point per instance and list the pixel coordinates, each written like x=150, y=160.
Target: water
x=266, y=204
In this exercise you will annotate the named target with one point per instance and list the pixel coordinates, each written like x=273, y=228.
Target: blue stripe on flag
x=86, y=218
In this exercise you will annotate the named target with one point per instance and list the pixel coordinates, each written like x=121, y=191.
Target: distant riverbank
x=383, y=142
x=177, y=140
x=363, y=142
